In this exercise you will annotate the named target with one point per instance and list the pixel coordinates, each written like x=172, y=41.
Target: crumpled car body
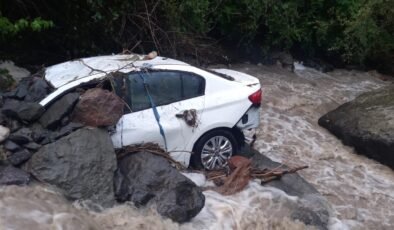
x=171, y=103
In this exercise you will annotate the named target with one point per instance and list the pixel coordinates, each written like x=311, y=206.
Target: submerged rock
x=98, y=107
x=143, y=176
x=367, y=123
x=38, y=207
x=10, y=175
x=82, y=164
x=313, y=208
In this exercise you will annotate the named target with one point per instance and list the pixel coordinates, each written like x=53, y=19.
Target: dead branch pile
x=237, y=176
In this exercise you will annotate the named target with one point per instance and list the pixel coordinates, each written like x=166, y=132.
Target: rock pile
x=67, y=144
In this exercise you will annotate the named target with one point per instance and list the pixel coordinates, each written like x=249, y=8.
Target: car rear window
x=165, y=87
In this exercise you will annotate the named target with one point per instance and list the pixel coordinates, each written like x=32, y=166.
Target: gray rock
x=19, y=157
x=312, y=209
x=10, y=175
x=38, y=90
x=21, y=136
x=24, y=111
x=32, y=146
x=66, y=130
x=82, y=164
x=62, y=107
x=143, y=176
x=4, y=132
x=367, y=123
x=16, y=72
x=20, y=139
x=20, y=91
x=11, y=146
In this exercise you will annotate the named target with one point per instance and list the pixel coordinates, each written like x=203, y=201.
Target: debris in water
x=237, y=176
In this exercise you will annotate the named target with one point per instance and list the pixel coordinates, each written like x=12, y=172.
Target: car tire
x=218, y=145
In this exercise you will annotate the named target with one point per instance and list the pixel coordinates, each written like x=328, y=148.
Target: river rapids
x=358, y=190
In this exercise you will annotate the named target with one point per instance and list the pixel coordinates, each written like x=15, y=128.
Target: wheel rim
x=215, y=152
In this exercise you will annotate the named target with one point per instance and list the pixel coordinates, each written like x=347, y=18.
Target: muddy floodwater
x=359, y=191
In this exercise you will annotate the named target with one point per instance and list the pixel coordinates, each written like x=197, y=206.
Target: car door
x=176, y=95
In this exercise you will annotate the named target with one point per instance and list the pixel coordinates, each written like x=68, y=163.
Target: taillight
x=256, y=97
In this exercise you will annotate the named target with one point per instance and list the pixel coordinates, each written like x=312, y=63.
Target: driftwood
x=148, y=147
x=237, y=176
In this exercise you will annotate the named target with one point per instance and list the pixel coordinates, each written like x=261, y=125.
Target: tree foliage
x=344, y=31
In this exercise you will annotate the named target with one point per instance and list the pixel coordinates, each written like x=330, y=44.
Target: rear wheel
x=213, y=150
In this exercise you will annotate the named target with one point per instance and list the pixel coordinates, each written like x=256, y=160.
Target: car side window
x=165, y=87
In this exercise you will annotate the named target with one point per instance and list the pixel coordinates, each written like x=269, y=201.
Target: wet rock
x=82, y=164
x=319, y=64
x=313, y=209
x=284, y=59
x=4, y=132
x=71, y=127
x=291, y=183
x=143, y=176
x=367, y=123
x=98, y=107
x=10, y=175
x=16, y=72
x=20, y=139
x=14, y=125
x=38, y=132
x=32, y=146
x=20, y=91
x=21, y=136
x=40, y=207
x=61, y=108
x=19, y=157
x=11, y=146
x=308, y=217
x=38, y=90
x=24, y=111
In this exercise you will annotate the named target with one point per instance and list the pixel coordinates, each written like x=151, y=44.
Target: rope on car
x=155, y=112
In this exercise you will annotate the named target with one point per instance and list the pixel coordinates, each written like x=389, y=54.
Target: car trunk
x=242, y=78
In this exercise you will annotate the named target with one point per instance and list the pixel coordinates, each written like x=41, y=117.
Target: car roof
x=67, y=72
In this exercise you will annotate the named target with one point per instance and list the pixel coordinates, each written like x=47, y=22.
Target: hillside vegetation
x=356, y=32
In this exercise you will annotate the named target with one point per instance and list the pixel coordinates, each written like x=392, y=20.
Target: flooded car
x=197, y=115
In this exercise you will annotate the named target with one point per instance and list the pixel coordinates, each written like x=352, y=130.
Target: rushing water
x=359, y=190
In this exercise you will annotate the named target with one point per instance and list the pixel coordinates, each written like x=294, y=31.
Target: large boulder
x=367, y=123
x=82, y=164
x=98, y=107
x=143, y=176
x=58, y=110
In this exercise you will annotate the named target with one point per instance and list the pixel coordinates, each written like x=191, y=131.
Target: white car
x=182, y=108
